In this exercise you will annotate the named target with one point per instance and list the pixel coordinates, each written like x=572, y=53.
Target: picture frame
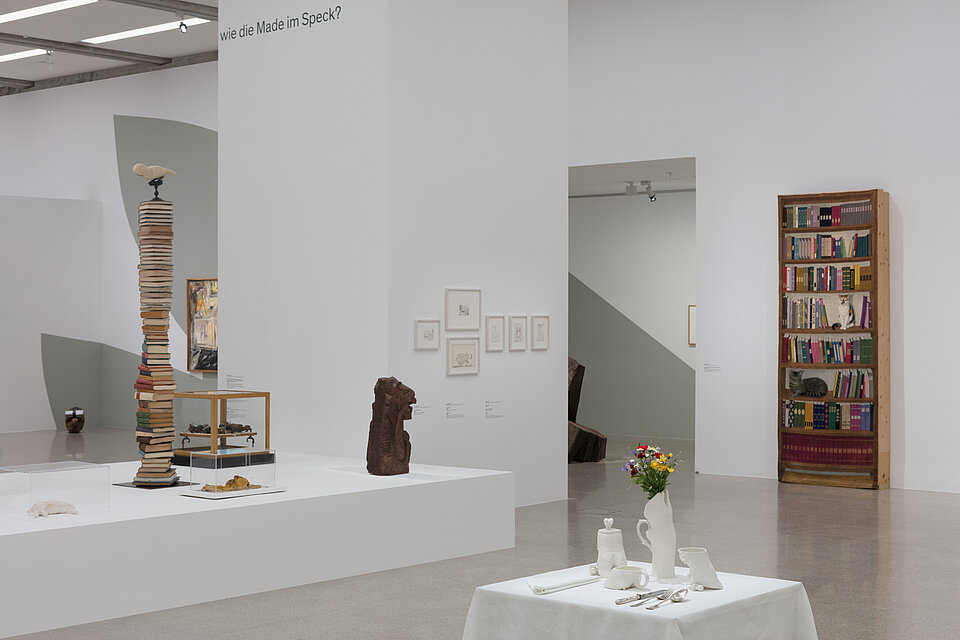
x=517, y=339
x=202, y=296
x=426, y=335
x=539, y=333
x=463, y=355
x=494, y=327
x=462, y=309
x=692, y=325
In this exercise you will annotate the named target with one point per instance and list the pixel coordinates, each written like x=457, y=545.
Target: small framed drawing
x=494, y=333
x=426, y=334
x=462, y=309
x=692, y=325
x=462, y=355
x=518, y=333
x=539, y=333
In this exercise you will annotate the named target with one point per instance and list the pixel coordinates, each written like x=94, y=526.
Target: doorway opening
x=632, y=300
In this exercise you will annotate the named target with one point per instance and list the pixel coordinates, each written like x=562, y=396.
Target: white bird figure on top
x=152, y=172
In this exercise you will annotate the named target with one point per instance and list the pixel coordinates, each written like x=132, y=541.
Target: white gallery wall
x=478, y=185
x=50, y=258
x=303, y=220
x=60, y=143
x=396, y=153
x=640, y=257
x=775, y=98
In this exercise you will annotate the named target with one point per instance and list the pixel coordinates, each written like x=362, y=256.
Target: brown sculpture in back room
x=388, y=446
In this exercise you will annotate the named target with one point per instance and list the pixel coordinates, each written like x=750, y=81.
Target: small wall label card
x=540, y=333
x=462, y=309
x=421, y=409
x=455, y=411
x=492, y=409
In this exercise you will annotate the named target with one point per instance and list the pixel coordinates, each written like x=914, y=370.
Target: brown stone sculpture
x=583, y=443
x=388, y=446
x=575, y=372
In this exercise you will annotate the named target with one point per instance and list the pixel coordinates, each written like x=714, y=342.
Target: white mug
x=626, y=577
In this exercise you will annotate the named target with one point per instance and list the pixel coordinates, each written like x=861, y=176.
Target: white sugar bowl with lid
x=610, y=551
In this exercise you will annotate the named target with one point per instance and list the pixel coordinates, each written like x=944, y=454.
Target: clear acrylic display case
x=84, y=485
x=232, y=472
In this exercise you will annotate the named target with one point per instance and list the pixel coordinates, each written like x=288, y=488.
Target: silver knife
x=641, y=596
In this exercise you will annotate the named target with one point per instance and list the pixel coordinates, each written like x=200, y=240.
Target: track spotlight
x=183, y=25
x=649, y=189
x=631, y=189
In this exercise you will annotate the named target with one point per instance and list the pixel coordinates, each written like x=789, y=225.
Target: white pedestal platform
x=156, y=549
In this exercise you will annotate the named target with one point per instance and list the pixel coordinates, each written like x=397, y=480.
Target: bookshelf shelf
x=829, y=432
x=826, y=332
x=838, y=365
x=841, y=291
x=845, y=456
x=814, y=230
x=828, y=398
x=827, y=260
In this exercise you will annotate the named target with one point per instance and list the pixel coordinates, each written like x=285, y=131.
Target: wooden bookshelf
x=837, y=456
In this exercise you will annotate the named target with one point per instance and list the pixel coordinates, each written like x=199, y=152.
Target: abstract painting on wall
x=202, y=324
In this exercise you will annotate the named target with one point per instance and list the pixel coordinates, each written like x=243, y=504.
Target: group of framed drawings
x=462, y=313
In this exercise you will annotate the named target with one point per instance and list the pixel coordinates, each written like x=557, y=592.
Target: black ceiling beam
x=177, y=6
x=80, y=49
x=14, y=82
x=105, y=74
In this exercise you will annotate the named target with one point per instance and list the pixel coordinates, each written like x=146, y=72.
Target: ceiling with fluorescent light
x=198, y=44
x=674, y=174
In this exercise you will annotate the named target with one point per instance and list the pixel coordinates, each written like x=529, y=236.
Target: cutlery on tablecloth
x=663, y=596
x=676, y=596
x=641, y=596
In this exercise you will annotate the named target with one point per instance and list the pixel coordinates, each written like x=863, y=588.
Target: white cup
x=626, y=577
x=701, y=569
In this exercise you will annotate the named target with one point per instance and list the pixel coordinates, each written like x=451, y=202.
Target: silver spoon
x=663, y=596
x=677, y=596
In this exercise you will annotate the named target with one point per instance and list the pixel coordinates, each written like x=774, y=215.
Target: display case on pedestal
x=39, y=490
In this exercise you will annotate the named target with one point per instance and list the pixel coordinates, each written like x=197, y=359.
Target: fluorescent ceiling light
x=143, y=31
x=29, y=53
x=42, y=9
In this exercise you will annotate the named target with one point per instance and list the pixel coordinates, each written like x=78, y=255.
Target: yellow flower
x=670, y=469
x=669, y=455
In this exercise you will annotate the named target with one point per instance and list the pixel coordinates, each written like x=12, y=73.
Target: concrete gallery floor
x=875, y=564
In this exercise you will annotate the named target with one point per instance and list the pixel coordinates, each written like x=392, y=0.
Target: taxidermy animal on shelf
x=845, y=311
x=152, y=172
x=388, y=445
x=813, y=387
x=51, y=507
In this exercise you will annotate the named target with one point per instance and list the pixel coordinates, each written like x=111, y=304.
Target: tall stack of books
x=154, y=386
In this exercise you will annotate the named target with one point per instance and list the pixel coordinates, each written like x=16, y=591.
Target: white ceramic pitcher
x=661, y=536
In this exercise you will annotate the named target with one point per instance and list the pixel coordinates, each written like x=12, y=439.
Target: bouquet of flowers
x=650, y=468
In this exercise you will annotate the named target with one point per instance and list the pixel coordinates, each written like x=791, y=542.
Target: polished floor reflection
x=876, y=565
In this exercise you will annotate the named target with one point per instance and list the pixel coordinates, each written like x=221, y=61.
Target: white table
x=746, y=608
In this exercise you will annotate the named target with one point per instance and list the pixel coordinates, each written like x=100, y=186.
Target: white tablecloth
x=746, y=608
